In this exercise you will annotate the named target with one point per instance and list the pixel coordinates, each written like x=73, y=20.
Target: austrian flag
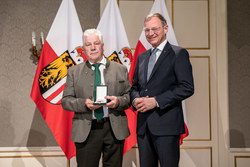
x=61, y=50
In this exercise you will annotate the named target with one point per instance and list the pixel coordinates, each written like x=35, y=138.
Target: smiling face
x=155, y=32
x=93, y=48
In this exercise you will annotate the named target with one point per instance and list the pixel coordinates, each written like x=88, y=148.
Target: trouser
x=153, y=149
x=101, y=140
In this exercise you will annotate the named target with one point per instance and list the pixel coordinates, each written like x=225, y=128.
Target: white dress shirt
x=101, y=68
x=160, y=49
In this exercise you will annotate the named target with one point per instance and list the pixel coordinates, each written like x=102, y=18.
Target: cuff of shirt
x=157, y=105
x=134, y=101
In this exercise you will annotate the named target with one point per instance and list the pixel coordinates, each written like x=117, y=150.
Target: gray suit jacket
x=80, y=86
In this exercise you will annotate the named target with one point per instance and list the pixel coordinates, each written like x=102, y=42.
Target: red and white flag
x=159, y=6
x=117, y=48
x=61, y=50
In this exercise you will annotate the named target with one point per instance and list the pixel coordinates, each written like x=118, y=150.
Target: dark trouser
x=152, y=148
x=100, y=140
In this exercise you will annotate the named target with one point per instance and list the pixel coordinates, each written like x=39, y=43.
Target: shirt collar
x=103, y=61
x=161, y=46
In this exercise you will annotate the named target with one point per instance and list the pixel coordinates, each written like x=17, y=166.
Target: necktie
x=151, y=62
x=98, y=112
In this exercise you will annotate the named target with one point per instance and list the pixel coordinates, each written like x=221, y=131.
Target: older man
x=102, y=128
x=162, y=79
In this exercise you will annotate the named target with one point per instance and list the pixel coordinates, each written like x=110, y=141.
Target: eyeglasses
x=154, y=29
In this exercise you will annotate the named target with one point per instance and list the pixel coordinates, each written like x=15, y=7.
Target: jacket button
x=146, y=90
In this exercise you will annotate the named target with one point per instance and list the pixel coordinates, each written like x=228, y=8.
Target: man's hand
x=144, y=104
x=113, y=103
x=90, y=104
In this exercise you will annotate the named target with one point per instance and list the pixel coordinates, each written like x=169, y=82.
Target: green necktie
x=98, y=112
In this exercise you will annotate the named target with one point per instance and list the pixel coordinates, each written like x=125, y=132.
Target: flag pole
x=68, y=163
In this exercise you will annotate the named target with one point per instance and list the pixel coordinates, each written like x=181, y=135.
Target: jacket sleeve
x=135, y=86
x=69, y=101
x=184, y=87
x=124, y=98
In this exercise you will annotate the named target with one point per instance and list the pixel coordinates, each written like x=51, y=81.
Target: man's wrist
x=134, y=101
x=157, y=105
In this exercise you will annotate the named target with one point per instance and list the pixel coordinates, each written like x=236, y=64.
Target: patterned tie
x=151, y=62
x=98, y=112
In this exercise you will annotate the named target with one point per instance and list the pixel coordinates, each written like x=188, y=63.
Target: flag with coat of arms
x=159, y=6
x=117, y=48
x=61, y=50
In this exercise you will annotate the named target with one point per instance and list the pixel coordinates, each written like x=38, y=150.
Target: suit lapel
x=107, y=78
x=145, y=64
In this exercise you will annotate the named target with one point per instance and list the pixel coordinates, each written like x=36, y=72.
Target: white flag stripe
x=61, y=36
x=144, y=41
x=184, y=111
x=57, y=98
x=54, y=88
x=112, y=28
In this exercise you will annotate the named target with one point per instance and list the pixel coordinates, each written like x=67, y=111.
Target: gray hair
x=158, y=15
x=93, y=31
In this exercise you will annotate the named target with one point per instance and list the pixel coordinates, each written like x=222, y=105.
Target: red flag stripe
x=139, y=49
x=184, y=135
x=132, y=124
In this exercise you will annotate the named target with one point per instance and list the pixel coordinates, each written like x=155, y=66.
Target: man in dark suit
x=162, y=79
x=97, y=129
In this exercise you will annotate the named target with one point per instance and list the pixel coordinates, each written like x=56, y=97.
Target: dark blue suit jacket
x=171, y=81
